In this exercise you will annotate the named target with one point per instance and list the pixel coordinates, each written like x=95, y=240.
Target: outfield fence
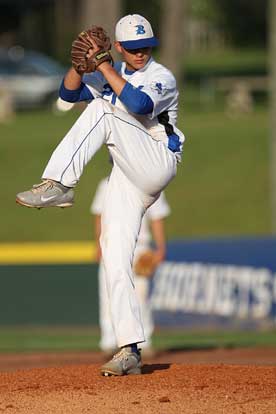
x=212, y=281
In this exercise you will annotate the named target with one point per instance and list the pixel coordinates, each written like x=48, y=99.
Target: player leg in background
x=108, y=343
x=142, y=285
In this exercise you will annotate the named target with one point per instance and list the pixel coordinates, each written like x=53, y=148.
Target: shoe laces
x=43, y=186
x=122, y=354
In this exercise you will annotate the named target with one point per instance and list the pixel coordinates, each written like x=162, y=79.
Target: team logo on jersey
x=140, y=29
x=159, y=87
x=107, y=90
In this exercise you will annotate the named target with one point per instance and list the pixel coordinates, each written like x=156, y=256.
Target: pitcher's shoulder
x=157, y=69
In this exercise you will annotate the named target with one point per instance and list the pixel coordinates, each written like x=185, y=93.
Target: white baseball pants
x=142, y=169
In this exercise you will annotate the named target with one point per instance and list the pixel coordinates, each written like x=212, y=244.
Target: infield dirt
x=218, y=381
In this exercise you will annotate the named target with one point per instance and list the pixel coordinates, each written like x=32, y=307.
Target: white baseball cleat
x=48, y=193
x=125, y=362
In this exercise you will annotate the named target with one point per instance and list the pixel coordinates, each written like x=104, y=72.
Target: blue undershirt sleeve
x=83, y=93
x=136, y=100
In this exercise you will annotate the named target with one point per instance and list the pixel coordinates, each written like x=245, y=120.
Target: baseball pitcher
x=133, y=111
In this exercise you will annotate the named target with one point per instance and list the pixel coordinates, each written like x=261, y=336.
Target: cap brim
x=140, y=43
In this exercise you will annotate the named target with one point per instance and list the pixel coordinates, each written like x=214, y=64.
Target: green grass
x=221, y=188
x=226, y=62
x=41, y=339
x=84, y=339
x=213, y=339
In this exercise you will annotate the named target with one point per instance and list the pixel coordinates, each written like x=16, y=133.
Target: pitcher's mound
x=163, y=388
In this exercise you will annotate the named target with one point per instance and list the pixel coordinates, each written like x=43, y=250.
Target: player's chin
x=139, y=64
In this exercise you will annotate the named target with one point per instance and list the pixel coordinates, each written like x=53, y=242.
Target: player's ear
x=118, y=46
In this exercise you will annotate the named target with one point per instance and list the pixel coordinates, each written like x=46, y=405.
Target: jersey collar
x=128, y=72
x=131, y=72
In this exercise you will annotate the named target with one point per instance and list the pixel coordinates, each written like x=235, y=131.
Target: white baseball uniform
x=143, y=166
x=158, y=210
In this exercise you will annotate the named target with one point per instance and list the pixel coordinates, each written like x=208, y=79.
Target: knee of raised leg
x=101, y=103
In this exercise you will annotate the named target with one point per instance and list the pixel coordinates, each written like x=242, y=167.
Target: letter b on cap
x=140, y=29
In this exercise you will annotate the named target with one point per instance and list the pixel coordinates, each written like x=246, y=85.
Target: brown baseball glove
x=146, y=264
x=96, y=39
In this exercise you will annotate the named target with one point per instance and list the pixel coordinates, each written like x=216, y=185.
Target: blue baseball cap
x=134, y=32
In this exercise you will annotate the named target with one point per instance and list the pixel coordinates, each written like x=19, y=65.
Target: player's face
x=135, y=58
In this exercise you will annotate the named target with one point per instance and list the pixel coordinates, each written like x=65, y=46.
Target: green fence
x=49, y=294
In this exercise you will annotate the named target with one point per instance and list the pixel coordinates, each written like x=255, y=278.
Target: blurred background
x=220, y=270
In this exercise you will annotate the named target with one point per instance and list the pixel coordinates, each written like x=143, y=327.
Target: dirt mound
x=163, y=388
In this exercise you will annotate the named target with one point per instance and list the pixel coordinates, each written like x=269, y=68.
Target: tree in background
x=172, y=34
x=64, y=16
x=245, y=21
x=150, y=9
x=29, y=24
x=72, y=16
x=54, y=22
x=102, y=13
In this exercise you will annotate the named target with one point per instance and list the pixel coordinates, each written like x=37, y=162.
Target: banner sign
x=223, y=278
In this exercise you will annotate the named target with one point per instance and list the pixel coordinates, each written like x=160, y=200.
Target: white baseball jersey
x=158, y=83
